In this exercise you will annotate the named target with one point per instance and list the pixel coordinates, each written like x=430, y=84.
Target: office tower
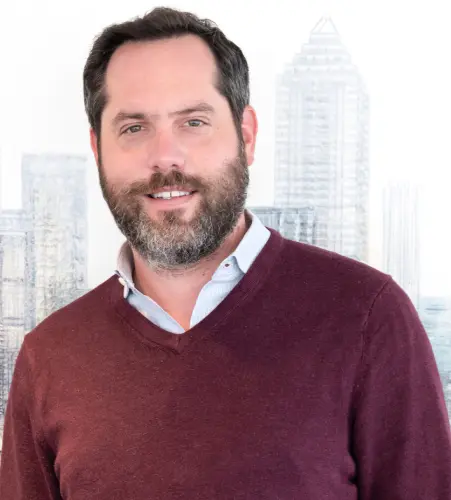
x=435, y=314
x=15, y=292
x=401, y=240
x=298, y=224
x=54, y=196
x=321, y=141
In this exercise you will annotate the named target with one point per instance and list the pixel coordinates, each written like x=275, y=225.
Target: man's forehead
x=139, y=85
x=204, y=98
x=144, y=78
x=182, y=55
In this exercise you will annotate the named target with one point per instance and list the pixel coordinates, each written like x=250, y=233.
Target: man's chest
x=207, y=427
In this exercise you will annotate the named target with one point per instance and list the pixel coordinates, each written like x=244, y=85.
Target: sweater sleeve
x=401, y=438
x=26, y=468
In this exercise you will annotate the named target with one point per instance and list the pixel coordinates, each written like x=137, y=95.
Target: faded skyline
x=400, y=50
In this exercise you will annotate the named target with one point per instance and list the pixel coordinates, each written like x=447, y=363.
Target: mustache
x=159, y=181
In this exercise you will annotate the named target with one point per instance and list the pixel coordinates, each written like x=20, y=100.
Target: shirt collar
x=251, y=244
x=125, y=266
x=244, y=255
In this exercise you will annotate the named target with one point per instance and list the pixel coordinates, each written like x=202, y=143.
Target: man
x=221, y=361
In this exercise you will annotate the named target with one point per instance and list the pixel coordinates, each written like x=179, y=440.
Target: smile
x=167, y=195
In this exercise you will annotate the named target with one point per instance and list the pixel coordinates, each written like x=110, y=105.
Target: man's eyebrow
x=201, y=107
x=123, y=116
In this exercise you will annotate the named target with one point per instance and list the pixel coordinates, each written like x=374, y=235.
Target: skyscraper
x=321, y=150
x=435, y=313
x=298, y=224
x=401, y=240
x=15, y=292
x=54, y=196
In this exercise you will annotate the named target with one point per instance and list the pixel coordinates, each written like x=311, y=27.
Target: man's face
x=173, y=168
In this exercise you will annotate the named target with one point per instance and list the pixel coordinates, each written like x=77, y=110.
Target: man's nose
x=164, y=152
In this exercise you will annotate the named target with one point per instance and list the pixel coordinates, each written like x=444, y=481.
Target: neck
x=175, y=290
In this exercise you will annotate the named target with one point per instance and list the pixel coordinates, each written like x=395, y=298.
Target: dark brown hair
x=158, y=24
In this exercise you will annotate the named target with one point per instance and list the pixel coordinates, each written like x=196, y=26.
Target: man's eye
x=195, y=123
x=133, y=129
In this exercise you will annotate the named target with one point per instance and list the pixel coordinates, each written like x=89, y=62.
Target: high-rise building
x=54, y=195
x=401, y=241
x=15, y=292
x=435, y=314
x=321, y=134
x=298, y=224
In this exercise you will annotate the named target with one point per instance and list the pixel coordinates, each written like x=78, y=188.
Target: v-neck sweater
x=225, y=278
x=313, y=379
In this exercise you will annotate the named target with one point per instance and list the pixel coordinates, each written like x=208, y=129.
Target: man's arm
x=401, y=437
x=26, y=469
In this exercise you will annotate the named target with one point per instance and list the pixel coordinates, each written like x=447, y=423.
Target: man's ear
x=94, y=145
x=249, y=129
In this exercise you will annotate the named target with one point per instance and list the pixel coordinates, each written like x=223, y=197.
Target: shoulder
x=331, y=273
x=347, y=288
x=68, y=322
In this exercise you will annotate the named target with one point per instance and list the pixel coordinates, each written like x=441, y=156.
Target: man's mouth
x=168, y=195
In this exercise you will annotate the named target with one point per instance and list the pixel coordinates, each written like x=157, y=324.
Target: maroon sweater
x=312, y=380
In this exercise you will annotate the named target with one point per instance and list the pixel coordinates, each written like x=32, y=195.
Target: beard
x=171, y=242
